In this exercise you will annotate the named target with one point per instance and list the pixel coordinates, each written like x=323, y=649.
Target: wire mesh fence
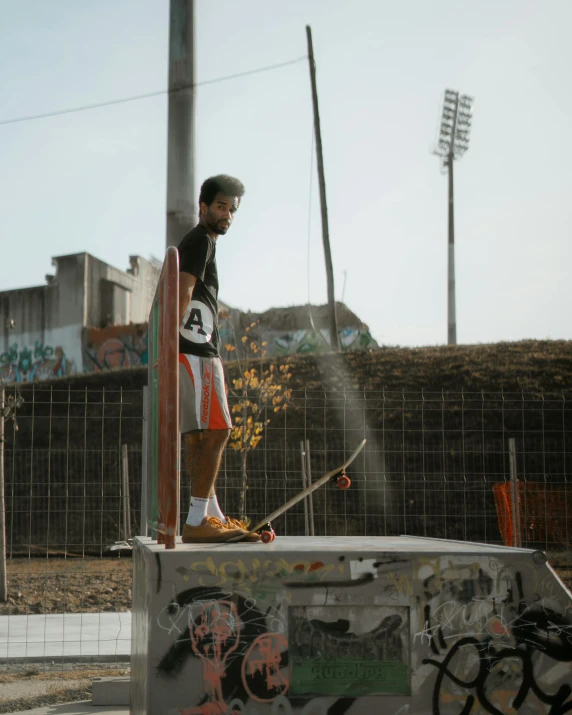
x=73, y=466
x=428, y=469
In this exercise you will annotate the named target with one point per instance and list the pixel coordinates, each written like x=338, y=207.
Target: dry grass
x=72, y=565
x=48, y=685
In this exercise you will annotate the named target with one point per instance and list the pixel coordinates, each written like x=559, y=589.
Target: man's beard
x=217, y=228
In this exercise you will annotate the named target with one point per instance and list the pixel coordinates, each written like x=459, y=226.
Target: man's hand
x=186, y=284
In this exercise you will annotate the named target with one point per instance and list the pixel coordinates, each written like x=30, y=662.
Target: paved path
x=69, y=635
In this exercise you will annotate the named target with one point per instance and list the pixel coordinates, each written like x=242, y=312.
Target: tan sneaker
x=238, y=524
x=210, y=530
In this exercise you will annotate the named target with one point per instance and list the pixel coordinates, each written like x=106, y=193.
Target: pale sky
x=95, y=181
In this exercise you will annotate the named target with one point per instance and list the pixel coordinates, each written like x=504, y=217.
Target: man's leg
x=206, y=427
x=207, y=453
x=203, y=453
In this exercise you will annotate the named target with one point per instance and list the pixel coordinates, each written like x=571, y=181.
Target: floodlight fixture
x=456, y=120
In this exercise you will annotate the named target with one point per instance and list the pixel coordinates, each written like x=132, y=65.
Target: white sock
x=214, y=509
x=197, y=511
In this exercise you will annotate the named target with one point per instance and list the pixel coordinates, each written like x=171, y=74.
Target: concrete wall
x=147, y=277
x=134, y=292
x=356, y=626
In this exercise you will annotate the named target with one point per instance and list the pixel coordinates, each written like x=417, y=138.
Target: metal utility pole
x=451, y=291
x=181, y=203
x=452, y=144
x=333, y=320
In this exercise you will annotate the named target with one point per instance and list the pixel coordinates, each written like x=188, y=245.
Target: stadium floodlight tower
x=453, y=142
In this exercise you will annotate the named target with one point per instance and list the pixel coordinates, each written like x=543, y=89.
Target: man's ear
x=203, y=208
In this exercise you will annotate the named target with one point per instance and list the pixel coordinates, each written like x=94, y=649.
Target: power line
x=147, y=95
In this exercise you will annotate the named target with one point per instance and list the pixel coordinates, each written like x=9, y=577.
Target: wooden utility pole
x=3, y=585
x=324, y=207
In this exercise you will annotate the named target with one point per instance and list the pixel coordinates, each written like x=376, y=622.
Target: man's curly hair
x=222, y=183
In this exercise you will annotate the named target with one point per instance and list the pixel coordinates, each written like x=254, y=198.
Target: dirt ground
x=24, y=687
x=72, y=585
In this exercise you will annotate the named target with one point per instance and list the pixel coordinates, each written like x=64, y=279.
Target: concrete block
x=110, y=691
x=311, y=626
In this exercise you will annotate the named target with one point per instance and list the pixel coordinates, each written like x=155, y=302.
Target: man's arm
x=186, y=284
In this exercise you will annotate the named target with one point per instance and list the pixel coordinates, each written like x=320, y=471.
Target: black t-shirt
x=198, y=332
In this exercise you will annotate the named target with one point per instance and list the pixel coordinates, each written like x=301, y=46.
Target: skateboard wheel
x=267, y=537
x=344, y=482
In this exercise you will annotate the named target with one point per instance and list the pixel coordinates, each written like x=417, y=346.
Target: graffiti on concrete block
x=116, y=346
x=494, y=651
x=42, y=362
x=230, y=635
x=334, y=650
x=442, y=634
x=257, y=576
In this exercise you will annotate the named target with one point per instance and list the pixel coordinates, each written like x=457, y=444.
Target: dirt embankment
x=529, y=365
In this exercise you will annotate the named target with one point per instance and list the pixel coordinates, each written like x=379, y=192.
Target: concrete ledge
x=110, y=691
x=322, y=621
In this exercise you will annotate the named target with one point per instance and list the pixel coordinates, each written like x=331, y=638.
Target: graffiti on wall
x=127, y=345
x=232, y=637
x=433, y=634
x=240, y=636
x=42, y=362
x=310, y=341
x=115, y=346
x=492, y=649
x=307, y=341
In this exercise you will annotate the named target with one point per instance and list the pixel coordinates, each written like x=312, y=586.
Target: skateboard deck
x=343, y=483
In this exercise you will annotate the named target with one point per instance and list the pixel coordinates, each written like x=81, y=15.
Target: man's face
x=220, y=214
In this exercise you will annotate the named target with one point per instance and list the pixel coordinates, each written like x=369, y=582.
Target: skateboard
x=264, y=527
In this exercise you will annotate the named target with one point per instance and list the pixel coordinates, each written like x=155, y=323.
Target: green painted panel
x=365, y=677
x=349, y=650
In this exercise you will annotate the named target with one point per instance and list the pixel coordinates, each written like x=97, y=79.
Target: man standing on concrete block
x=205, y=421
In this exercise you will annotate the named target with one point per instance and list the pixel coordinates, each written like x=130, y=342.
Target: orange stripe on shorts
x=184, y=360
x=217, y=420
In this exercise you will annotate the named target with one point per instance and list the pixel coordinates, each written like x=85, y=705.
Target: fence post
x=515, y=506
x=310, y=496
x=126, y=500
x=3, y=585
x=304, y=486
x=145, y=460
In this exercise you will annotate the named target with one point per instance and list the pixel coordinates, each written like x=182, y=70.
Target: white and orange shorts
x=202, y=397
